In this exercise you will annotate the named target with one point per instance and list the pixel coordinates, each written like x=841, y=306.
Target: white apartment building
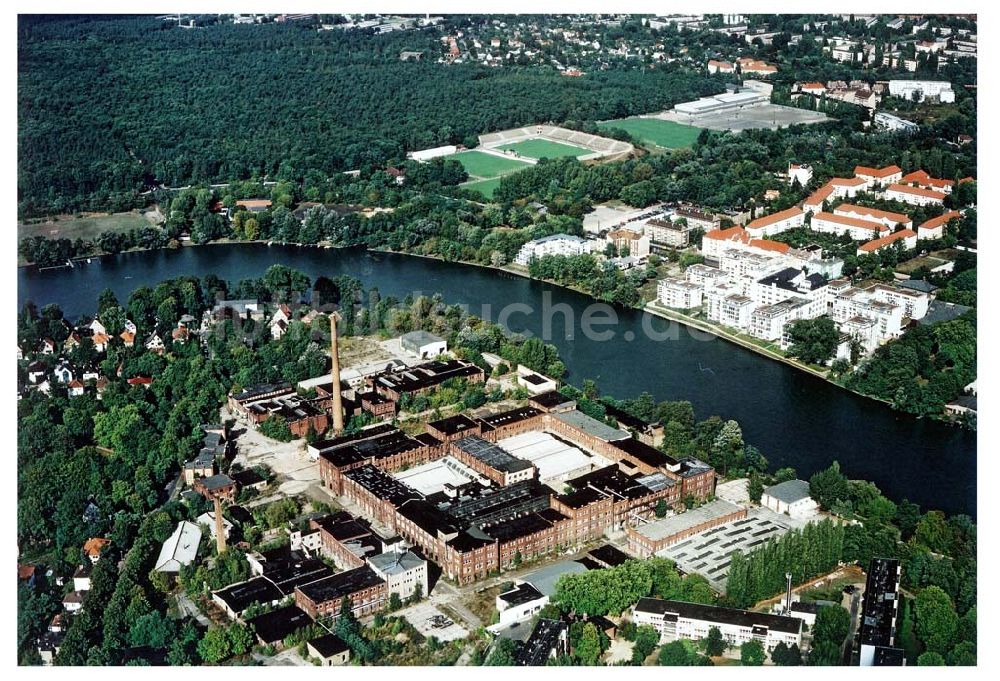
x=914, y=303
x=636, y=243
x=907, y=236
x=857, y=229
x=555, y=244
x=729, y=309
x=934, y=228
x=878, y=176
x=855, y=302
x=667, y=233
x=790, y=282
x=937, y=89
x=767, y=322
x=716, y=241
x=676, y=620
x=743, y=264
x=679, y=293
x=776, y=223
x=864, y=330
x=916, y=196
x=705, y=276
x=802, y=173
x=887, y=218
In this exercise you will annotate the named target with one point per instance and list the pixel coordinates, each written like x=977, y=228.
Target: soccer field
x=478, y=164
x=657, y=131
x=485, y=187
x=539, y=148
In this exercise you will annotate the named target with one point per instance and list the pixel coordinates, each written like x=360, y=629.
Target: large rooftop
x=492, y=455
x=667, y=527
x=711, y=613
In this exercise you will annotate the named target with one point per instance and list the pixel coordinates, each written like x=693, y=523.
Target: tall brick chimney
x=220, y=528
x=337, y=405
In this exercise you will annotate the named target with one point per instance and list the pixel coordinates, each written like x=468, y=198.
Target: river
x=794, y=418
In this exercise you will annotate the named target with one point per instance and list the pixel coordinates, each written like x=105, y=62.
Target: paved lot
x=734, y=491
x=288, y=459
x=769, y=116
x=620, y=650
x=421, y=616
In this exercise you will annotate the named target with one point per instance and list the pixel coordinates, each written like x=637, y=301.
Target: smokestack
x=220, y=529
x=337, y=405
x=788, y=593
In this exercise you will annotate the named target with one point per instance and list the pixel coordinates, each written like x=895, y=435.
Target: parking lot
x=769, y=116
x=430, y=621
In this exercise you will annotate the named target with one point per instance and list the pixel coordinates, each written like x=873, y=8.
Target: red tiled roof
x=819, y=196
x=918, y=191
x=853, y=222
x=922, y=178
x=737, y=233
x=872, y=212
x=94, y=545
x=140, y=380
x=877, y=172
x=872, y=246
x=25, y=571
x=769, y=245
x=775, y=217
x=941, y=220
x=846, y=182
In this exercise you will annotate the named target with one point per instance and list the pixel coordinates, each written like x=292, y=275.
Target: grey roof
x=918, y=285
x=593, y=427
x=789, y=491
x=545, y=578
x=419, y=338
x=667, y=527
x=711, y=613
x=394, y=563
x=180, y=549
x=939, y=311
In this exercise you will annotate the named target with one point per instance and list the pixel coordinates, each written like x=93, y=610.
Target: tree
x=963, y=655
x=646, y=639
x=588, y=648
x=828, y=485
x=832, y=624
x=930, y=659
x=752, y=654
x=813, y=340
x=715, y=645
x=502, y=654
x=661, y=508
x=936, y=621
x=214, y=645
x=755, y=488
x=785, y=656
x=824, y=654
x=674, y=654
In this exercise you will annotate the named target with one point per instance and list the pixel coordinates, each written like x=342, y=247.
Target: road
x=849, y=643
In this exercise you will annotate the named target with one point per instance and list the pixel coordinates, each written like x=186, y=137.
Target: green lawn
x=485, y=187
x=88, y=228
x=657, y=131
x=539, y=148
x=481, y=165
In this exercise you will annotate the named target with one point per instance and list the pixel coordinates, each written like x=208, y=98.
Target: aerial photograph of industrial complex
x=373, y=340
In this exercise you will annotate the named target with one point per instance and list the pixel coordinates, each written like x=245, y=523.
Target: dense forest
x=107, y=105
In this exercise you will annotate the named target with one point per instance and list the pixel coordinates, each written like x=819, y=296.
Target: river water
x=794, y=418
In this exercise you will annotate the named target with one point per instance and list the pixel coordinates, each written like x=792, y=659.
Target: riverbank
x=681, y=318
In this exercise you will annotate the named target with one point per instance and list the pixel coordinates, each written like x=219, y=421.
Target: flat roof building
x=676, y=620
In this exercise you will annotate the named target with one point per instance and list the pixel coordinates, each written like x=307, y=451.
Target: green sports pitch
x=667, y=134
x=539, y=148
x=484, y=187
x=478, y=164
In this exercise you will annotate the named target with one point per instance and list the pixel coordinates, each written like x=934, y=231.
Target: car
x=850, y=588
